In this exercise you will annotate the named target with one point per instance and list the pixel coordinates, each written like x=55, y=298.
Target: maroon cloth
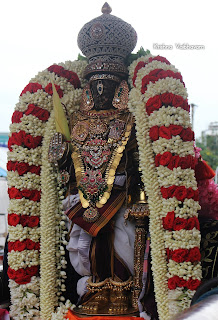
x=114, y=203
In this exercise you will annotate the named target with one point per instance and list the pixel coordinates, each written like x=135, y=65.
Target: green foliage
x=82, y=58
x=209, y=150
x=134, y=56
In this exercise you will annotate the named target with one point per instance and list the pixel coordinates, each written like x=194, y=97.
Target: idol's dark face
x=103, y=98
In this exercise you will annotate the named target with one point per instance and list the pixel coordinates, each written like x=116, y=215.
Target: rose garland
x=167, y=160
x=26, y=193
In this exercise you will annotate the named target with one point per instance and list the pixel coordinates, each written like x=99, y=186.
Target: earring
x=100, y=87
x=87, y=99
x=120, y=99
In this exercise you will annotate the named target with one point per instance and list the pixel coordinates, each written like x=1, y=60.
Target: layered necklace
x=98, y=139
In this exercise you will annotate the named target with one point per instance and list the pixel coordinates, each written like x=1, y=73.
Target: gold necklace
x=94, y=189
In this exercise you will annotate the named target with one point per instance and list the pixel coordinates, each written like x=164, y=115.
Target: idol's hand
x=58, y=150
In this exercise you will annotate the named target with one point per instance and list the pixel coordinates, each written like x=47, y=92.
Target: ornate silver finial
x=106, y=8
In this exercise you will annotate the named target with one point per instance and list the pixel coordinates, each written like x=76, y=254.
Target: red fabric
x=72, y=316
x=203, y=171
x=4, y=314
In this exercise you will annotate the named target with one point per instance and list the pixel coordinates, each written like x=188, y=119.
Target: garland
x=167, y=160
x=158, y=100
x=30, y=216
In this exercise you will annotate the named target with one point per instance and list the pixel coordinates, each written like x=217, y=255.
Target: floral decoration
x=28, y=216
x=166, y=155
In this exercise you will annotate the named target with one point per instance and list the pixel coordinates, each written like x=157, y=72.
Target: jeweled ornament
x=92, y=185
x=91, y=214
x=87, y=99
x=80, y=131
x=63, y=177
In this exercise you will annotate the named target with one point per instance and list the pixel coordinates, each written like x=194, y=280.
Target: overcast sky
x=36, y=34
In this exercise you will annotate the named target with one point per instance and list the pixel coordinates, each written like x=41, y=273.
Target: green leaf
x=133, y=56
x=81, y=58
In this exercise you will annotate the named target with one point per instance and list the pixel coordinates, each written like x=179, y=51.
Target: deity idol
x=108, y=151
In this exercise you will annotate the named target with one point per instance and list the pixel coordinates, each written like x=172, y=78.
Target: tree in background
x=209, y=152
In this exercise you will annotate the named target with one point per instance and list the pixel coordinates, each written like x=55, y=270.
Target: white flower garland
x=24, y=300
x=39, y=98
x=24, y=206
x=182, y=239
x=27, y=181
x=28, y=123
x=163, y=85
x=30, y=156
x=185, y=269
x=22, y=233
x=25, y=258
x=53, y=222
x=49, y=209
x=167, y=177
x=169, y=115
x=175, y=145
x=189, y=209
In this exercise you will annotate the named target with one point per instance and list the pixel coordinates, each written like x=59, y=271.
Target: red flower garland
x=173, y=130
x=184, y=255
x=180, y=192
x=38, y=112
x=22, y=138
x=24, y=220
x=166, y=99
x=142, y=64
x=16, y=116
x=158, y=74
x=71, y=76
x=32, y=88
x=22, y=167
x=22, y=245
x=170, y=222
x=170, y=161
x=22, y=276
x=177, y=281
x=15, y=193
x=49, y=90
